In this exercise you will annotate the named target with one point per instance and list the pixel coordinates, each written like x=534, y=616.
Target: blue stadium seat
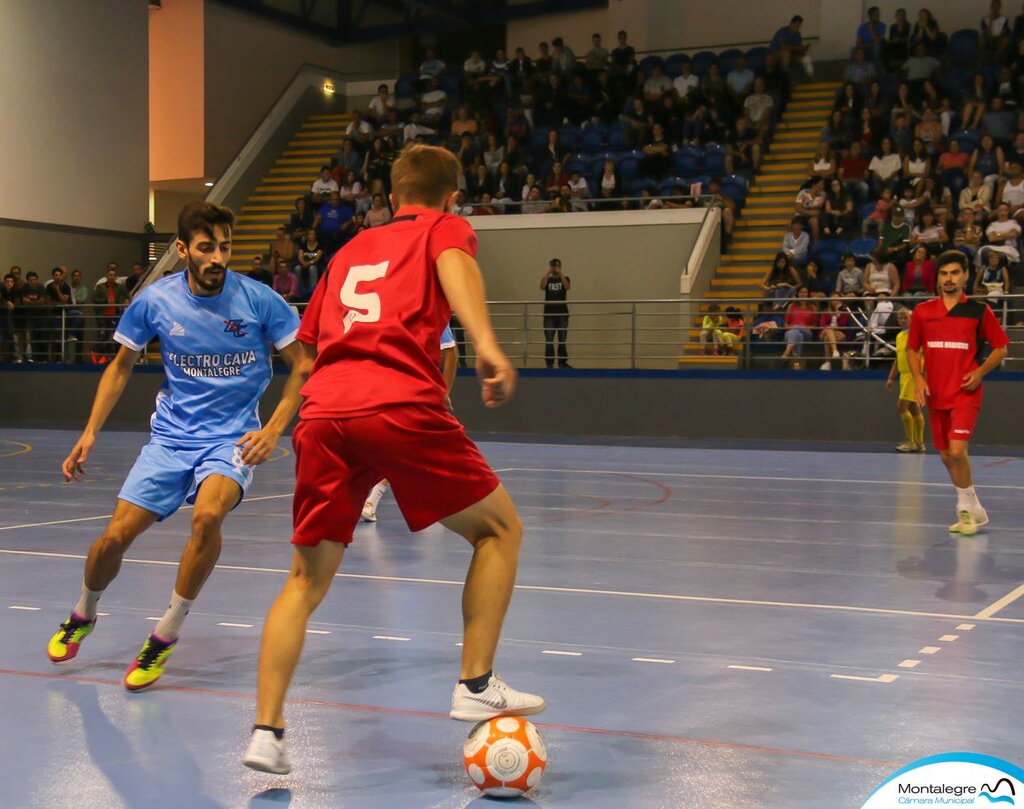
x=405, y=86
x=670, y=185
x=618, y=138
x=756, y=58
x=649, y=62
x=735, y=188
x=570, y=136
x=450, y=83
x=686, y=164
x=828, y=260
x=866, y=210
x=628, y=168
x=969, y=139
x=578, y=162
x=702, y=61
x=674, y=64
x=963, y=46
x=714, y=160
x=862, y=248
x=829, y=245
x=537, y=138
x=955, y=81
x=592, y=141
x=727, y=60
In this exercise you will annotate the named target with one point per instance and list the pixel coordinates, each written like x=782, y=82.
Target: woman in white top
x=884, y=168
x=609, y=184
x=1012, y=192
x=1002, y=236
x=493, y=154
x=351, y=188
x=880, y=276
x=917, y=164
x=930, y=233
x=824, y=163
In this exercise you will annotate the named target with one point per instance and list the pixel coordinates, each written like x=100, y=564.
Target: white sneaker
x=369, y=511
x=498, y=699
x=978, y=519
x=267, y=753
x=965, y=526
x=826, y=366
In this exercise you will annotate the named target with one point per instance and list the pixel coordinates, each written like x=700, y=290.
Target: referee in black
x=556, y=314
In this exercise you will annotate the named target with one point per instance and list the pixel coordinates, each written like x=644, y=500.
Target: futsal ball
x=505, y=756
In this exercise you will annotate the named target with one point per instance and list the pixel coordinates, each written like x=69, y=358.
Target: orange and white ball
x=505, y=757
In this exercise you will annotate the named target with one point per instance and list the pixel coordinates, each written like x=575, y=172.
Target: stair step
x=295, y=188
x=245, y=218
x=285, y=162
x=272, y=198
x=752, y=232
x=700, y=361
x=320, y=134
x=347, y=116
x=773, y=183
x=318, y=124
x=719, y=294
x=779, y=164
x=746, y=283
x=295, y=144
x=269, y=207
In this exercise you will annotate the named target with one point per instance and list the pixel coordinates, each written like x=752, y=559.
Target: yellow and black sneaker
x=149, y=665
x=64, y=645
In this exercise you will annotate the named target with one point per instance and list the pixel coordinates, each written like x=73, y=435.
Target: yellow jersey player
x=910, y=413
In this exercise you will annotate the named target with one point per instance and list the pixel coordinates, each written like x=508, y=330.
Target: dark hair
x=31, y=274
x=203, y=217
x=849, y=255
x=381, y=87
x=952, y=257
x=557, y=42
x=8, y=276
x=873, y=10
x=56, y=270
x=796, y=18
x=622, y=33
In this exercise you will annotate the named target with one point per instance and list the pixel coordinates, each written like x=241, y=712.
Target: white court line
x=929, y=650
x=390, y=637
x=909, y=664
x=651, y=660
x=750, y=668
x=238, y=626
x=965, y=627
x=948, y=638
x=637, y=472
x=102, y=614
x=318, y=632
x=27, y=609
x=558, y=652
x=1002, y=603
x=153, y=618
x=881, y=678
x=742, y=602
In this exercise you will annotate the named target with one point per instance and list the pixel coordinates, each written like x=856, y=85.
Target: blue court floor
x=709, y=627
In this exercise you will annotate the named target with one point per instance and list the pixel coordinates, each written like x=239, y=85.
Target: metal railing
x=615, y=334
x=584, y=204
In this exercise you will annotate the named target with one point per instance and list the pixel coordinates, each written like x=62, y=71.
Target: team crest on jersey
x=235, y=327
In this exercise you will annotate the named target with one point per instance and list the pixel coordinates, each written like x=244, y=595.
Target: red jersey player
x=950, y=330
x=375, y=408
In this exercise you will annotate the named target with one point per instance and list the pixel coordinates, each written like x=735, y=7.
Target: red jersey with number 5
x=377, y=316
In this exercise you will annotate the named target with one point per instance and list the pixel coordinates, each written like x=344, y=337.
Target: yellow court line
x=25, y=448
x=1002, y=603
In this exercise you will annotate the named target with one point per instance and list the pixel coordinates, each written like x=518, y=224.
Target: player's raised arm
x=111, y=386
x=464, y=288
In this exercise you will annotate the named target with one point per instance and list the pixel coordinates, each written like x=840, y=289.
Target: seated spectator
x=302, y=220
x=549, y=102
x=905, y=105
x=919, y=274
x=788, y=46
x=711, y=330
x=824, y=163
x=782, y=280
x=433, y=101
x=802, y=319
x=596, y=59
x=871, y=34
x=976, y=197
x=461, y=207
x=841, y=214
x=1003, y=235
x=930, y=233
x=810, y=204
x=431, y=67
x=257, y=272
x=1008, y=88
x=379, y=214
x=350, y=188
x=993, y=280
x=734, y=331
x=281, y=247
x=309, y=267
x=359, y=129
x=917, y=164
x=932, y=98
x=486, y=206
x=534, y=203
x=867, y=132
x=349, y=159
x=860, y=71
x=580, y=192
x=415, y=129
x=463, y=123
x=901, y=135
x=686, y=81
x=740, y=80
x=988, y=160
x=714, y=89
x=323, y=187
x=796, y=243
x=726, y=205
x=332, y=216
x=833, y=330
x=499, y=73
x=850, y=278
x=478, y=182
x=937, y=198
x=377, y=161
x=853, y=171
x=999, y=122
x=877, y=218
x=285, y=283
x=909, y=201
x=506, y=186
x=392, y=127
x=556, y=178
x=578, y=100
x=895, y=240
x=849, y=104
x=884, y=168
x=759, y=106
x=817, y=282
x=922, y=65
x=543, y=65
x=968, y=235
x=768, y=325
x=836, y=133
x=494, y=154
x=877, y=104
x=929, y=131
x=657, y=84
x=880, y=276
x=381, y=104
x=348, y=231
x=953, y=159
x=1011, y=189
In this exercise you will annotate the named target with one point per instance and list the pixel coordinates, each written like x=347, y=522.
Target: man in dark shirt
x=33, y=306
x=58, y=292
x=556, y=314
x=133, y=278
x=623, y=57
x=10, y=297
x=261, y=273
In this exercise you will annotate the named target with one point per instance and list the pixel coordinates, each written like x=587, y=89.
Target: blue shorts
x=164, y=476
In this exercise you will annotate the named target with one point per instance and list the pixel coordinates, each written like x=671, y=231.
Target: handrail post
x=526, y=334
x=63, y=335
x=632, y=329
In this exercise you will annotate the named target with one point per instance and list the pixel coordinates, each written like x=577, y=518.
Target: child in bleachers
x=711, y=330
x=734, y=331
x=877, y=217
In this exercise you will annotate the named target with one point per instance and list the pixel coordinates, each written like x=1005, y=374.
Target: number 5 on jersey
x=363, y=307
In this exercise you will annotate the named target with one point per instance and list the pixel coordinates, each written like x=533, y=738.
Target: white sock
x=169, y=626
x=86, y=606
x=377, y=493
x=967, y=499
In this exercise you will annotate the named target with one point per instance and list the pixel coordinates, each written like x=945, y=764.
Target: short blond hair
x=424, y=175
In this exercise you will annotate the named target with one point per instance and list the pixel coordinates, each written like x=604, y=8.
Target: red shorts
x=956, y=424
x=425, y=454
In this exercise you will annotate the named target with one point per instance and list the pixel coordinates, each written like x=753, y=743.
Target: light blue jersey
x=216, y=354
x=447, y=338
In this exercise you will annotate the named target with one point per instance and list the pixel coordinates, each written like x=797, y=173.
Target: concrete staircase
x=272, y=202
x=757, y=235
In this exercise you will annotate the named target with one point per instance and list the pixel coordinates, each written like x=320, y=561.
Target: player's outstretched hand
x=497, y=377
x=889, y=384
x=258, y=446
x=971, y=380
x=73, y=466
x=922, y=392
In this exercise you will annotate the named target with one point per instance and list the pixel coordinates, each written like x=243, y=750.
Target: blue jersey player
x=215, y=329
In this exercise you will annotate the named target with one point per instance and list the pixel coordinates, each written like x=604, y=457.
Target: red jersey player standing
x=950, y=330
x=375, y=408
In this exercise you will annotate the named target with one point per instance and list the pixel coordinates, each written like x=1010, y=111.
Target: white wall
x=250, y=61
x=74, y=137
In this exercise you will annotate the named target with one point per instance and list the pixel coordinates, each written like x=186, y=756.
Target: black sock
x=278, y=732
x=477, y=685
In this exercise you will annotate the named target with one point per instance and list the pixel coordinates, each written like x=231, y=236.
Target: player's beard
x=199, y=275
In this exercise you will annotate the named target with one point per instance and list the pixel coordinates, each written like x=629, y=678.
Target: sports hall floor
x=709, y=626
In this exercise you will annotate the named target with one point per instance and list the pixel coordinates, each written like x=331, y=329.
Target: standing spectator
x=897, y=48
x=285, y=283
x=796, y=243
x=926, y=32
x=871, y=34
x=431, y=67
x=80, y=294
x=556, y=314
x=281, y=247
x=995, y=33
x=323, y=187
x=801, y=320
x=623, y=56
x=782, y=280
x=113, y=294
x=301, y=221
x=596, y=59
x=10, y=297
x=563, y=59
x=788, y=46
x=919, y=274
x=58, y=292
x=134, y=276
